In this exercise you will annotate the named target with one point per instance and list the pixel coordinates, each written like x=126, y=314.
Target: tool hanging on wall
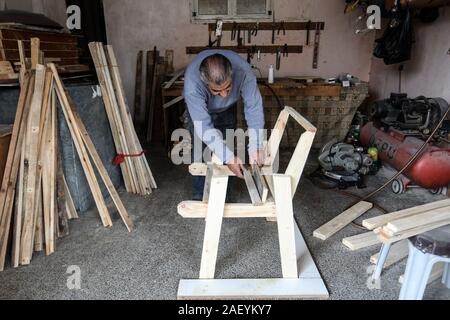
x=234, y=31
x=316, y=47
x=253, y=32
x=219, y=25
x=308, y=28
x=278, y=59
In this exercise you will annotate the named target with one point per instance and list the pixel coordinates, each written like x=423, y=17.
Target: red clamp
x=121, y=157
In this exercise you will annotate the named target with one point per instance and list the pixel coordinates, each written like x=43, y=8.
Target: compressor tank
x=430, y=170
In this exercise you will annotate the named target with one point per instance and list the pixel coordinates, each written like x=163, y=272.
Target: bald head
x=216, y=69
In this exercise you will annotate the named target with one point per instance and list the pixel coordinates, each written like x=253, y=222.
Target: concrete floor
x=163, y=248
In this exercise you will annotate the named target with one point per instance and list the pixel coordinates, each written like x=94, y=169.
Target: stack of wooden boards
x=136, y=172
x=35, y=201
x=407, y=223
x=59, y=47
x=393, y=228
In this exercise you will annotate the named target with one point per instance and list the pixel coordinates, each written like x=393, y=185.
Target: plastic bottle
x=271, y=74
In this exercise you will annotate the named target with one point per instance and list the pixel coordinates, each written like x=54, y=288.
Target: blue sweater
x=201, y=102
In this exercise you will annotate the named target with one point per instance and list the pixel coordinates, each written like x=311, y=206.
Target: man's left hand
x=258, y=157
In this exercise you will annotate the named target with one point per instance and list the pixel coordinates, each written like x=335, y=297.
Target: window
x=231, y=10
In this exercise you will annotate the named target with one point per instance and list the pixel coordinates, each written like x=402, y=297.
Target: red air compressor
x=399, y=128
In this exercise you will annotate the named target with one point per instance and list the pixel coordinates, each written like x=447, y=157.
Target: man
x=213, y=84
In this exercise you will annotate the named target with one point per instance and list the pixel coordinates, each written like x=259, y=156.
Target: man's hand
x=258, y=157
x=235, y=166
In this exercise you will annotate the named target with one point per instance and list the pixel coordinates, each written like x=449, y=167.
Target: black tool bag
x=396, y=43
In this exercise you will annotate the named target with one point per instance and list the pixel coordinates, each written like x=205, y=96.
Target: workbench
x=330, y=107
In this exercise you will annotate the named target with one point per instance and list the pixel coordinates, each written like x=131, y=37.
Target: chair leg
x=214, y=217
x=285, y=223
x=417, y=271
x=384, y=252
x=446, y=277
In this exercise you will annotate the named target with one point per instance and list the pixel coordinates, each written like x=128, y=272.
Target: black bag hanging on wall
x=396, y=43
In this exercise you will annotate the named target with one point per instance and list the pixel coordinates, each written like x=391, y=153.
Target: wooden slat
x=102, y=171
x=198, y=209
x=269, y=26
x=81, y=150
x=285, y=223
x=432, y=216
x=31, y=158
x=233, y=289
x=385, y=238
x=276, y=136
x=69, y=201
x=379, y=221
x=143, y=175
x=298, y=161
x=245, y=49
x=360, y=241
x=339, y=222
x=138, y=88
x=251, y=187
x=110, y=102
x=34, y=52
x=11, y=34
x=213, y=226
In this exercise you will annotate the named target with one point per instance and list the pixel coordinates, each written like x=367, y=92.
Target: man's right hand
x=235, y=166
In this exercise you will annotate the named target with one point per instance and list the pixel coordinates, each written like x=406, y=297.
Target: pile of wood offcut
x=136, y=172
x=35, y=202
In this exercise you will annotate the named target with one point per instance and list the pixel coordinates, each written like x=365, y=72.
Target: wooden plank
x=143, y=174
x=172, y=102
x=309, y=284
x=35, y=47
x=110, y=102
x=339, y=222
x=138, y=89
x=198, y=209
x=298, y=161
x=235, y=289
x=251, y=187
x=31, y=157
x=300, y=119
x=360, y=241
x=432, y=216
x=175, y=77
x=213, y=226
x=409, y=233
x=168, y=58
x=260, y=182
x=276, y=136
x=70, y=206
x=245, y=49
x=398, y=252
x=102, y=171
x=81, y=150
x=18, y=212
x=285, y=223
x=199, y=169
x=269, y=26
x=207, y=187
x=379, y=221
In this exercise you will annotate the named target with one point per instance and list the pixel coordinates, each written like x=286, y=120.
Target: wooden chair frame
x=301, y=278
